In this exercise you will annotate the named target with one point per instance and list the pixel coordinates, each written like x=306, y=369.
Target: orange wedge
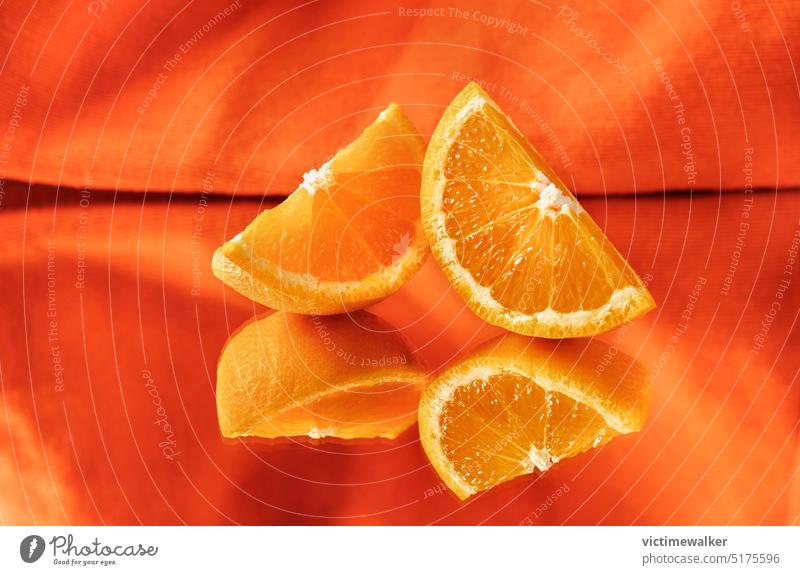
x=349, y=235
x=516, y=405
x=318, y=376
x=511, y=238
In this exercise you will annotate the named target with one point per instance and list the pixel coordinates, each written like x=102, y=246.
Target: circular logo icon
x=31, y=548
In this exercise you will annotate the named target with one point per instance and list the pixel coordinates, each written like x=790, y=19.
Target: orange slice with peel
x=516, y=404
x=340, y=376
x=349, y=235
x=511, y=238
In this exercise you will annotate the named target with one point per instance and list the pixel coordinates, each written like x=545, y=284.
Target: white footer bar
x=406, y=550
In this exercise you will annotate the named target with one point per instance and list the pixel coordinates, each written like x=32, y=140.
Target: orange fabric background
x=273, y=89
x=277, y=86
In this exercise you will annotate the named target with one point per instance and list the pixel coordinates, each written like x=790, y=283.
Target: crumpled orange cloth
x=112, y=321
x=622, y=96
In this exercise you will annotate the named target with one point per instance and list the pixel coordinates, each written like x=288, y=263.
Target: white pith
x=539, y=459
x=317, y=178
x=317, y=433
x=552, y=200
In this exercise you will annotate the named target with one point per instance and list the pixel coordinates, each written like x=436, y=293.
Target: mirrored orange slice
x=345, y=376
x=517, y=404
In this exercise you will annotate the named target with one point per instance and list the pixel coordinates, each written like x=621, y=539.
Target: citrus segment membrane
x=347, y=237
x=317, y=376
x=515, y=243
x=503, y=425
x=515, y=406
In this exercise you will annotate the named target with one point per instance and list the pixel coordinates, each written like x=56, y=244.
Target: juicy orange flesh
x=357, y=225
x=531, y=259
x=365, y=411
x=490, y=426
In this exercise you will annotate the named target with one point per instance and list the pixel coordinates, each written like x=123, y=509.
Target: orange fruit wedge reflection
x=515, y=405
x=349, y=235
x=511, y=238
x=339, y=376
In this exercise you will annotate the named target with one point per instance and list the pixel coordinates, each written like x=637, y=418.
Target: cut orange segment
x=349, y=235
x=318, y=376
x=516, y=405
x=511, y=238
